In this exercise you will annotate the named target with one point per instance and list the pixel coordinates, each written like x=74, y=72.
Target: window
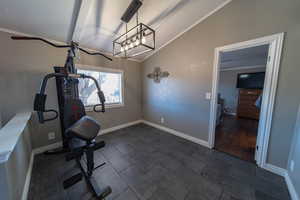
x=110, y=82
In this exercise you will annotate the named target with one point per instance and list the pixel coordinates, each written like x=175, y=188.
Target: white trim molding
x=275, y=43
x=242, y=68
x=42, y=149
x=99, y=68
x=274, y=169
x=177, y=133
x=187, y=29
x=108, y=70
x=284, y=173
x=28, y=178
x=291, y=187
x=115, y=128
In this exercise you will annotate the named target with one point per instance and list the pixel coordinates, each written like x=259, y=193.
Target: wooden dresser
x=246, y=103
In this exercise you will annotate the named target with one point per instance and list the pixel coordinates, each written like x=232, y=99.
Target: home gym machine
x=78, y=130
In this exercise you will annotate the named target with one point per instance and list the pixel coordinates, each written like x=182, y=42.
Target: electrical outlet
x=208, y=95
x=162, y=120
x=292, y=165
x=51, y=136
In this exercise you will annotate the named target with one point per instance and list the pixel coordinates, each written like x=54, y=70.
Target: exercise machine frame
x=68, y=76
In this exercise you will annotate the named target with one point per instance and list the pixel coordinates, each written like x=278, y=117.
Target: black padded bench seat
x=86, y=129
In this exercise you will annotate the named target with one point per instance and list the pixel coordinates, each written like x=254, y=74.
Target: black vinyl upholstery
x=86, y=129
x=77, y=124
x=73, y=111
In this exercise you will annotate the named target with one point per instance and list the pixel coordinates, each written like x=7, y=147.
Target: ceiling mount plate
x=131, y=10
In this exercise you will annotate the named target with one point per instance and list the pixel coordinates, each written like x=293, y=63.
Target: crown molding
x=187, y=29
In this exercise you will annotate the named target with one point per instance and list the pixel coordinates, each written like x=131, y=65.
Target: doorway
x=261, y=128
x=241, y=86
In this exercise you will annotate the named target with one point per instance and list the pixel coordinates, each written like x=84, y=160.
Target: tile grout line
x=116, y=171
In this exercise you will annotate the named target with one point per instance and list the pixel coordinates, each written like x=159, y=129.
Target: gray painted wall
x=181, y=97
x=23, y=65
x=294, y=156
x=227, y=87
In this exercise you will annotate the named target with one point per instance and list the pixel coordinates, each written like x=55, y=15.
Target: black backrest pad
x=73, y=111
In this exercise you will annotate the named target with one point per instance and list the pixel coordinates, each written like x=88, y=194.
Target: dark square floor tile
x=204, y=190
x=238, y=189
x=271, y=189
x=270, y=177
x=161, y=194
x=174, y=187
x=107, y=176
x=127, y=195
x=263, y=196
x=228, y=196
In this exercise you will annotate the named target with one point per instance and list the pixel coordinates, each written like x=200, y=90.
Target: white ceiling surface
x=46, y=18
x=99, y=20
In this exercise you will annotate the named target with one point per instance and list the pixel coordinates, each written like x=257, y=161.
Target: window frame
x=108, y=70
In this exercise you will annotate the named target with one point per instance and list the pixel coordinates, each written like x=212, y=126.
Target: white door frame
x=272, y=69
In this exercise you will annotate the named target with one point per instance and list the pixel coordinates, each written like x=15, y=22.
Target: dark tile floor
x=144, y=163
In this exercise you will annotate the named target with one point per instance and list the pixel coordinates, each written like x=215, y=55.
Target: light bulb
x=143, y=40
x=126, y=47
x=122, y=49
x=137, y=42
x=131, y=45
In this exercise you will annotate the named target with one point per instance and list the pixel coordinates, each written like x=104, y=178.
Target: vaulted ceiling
x=99, y=20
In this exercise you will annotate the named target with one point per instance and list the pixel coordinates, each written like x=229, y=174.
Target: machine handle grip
x=39, y=106
x=42, y=118
x=51, y=118
x=95, y=108
x=102, y=100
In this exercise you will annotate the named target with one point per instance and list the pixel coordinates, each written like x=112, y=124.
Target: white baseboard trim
x=102, y=132
x=291, y=187
x=284, y=173
x=177, y=133
x=274, y=169
x=42, y=149
x=28, y=178
x=108, y=130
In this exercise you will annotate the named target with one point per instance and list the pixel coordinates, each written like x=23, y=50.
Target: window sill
x=109, y=106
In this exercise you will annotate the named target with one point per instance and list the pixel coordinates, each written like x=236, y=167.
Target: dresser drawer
x=246, y=103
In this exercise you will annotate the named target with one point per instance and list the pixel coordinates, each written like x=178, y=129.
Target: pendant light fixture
x=137, y=40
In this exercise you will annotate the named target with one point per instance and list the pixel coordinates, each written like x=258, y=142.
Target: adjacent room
x=241, y=86
x=149, y=100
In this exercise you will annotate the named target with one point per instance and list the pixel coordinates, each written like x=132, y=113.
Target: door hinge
x=256, y=148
